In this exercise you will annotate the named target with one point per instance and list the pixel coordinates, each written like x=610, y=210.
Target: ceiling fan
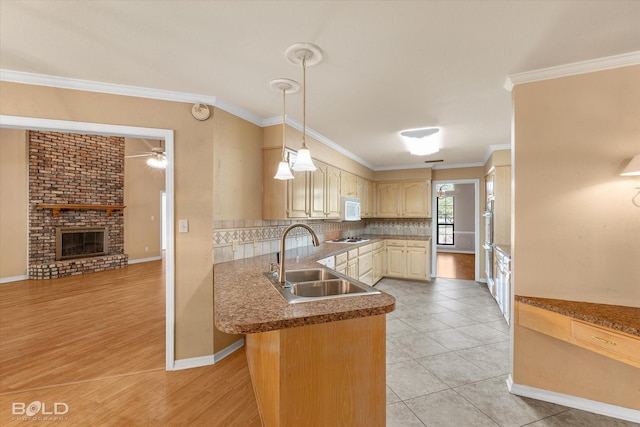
x=156, y=157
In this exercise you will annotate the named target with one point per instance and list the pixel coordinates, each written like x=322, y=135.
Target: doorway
x=455, y=229
x=166, y=135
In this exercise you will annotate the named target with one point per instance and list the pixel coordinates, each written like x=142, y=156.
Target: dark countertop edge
x=303, y=321
x=560, y=306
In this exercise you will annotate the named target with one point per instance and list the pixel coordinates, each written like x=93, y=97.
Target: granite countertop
x=245, y=302
x=618, y=317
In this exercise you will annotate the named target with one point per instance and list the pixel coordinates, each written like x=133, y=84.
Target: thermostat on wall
x=200, y=112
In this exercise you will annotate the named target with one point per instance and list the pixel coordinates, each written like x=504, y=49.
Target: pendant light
x=305, y=54
x=285, y=86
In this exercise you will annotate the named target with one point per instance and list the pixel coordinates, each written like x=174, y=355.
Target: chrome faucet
x=314, y=238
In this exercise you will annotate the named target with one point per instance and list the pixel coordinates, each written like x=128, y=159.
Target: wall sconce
x=633, y=169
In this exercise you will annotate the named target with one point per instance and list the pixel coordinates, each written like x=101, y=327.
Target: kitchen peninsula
x=312, y=363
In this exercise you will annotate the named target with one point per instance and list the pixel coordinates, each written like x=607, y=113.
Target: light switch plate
x=183, y=226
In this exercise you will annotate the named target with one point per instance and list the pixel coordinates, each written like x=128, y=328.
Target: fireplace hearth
x=81, y=242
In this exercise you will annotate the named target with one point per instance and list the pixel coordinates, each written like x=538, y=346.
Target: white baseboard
x=574, y=402
x=139, y=260
x=13, y=279
x=198, y=362
x=227, y=351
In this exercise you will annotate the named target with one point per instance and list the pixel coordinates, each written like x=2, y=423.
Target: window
x=445, y=211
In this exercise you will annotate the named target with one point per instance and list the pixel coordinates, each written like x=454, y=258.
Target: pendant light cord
x=284, y=117
x=304, y=100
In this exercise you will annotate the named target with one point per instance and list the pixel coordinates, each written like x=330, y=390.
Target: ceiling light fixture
x=285, y=86
x=157, y=160
x=305, y=54
x=423, y=141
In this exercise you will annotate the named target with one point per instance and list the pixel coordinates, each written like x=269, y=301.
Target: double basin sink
x=315, y=284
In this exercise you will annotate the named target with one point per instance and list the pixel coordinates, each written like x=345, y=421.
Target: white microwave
x=349, y=209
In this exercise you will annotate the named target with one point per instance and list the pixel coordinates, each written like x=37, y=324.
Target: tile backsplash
x=255, y=237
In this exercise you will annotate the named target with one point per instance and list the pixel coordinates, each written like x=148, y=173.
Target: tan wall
x=237, y=168
x=403, y=174
x=142, y=188
x=273, y=138
x=498, y=158
x=14, y=205
x=576, y=230
x=193, y=187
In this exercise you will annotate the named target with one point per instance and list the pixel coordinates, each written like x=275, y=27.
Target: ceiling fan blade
x=138, y=155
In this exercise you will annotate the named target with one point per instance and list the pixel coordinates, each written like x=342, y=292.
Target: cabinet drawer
x=364, y=249
x=396, y=243
x=353, y=254
x=378, y=245
x=341, y=258
x=416, y=244
x=607, y=340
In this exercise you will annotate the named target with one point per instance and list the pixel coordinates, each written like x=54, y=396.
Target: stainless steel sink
x=308, y=275
x=316, y=284
x=324, y=288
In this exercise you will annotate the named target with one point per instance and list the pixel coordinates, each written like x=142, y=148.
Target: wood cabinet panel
x=348, y=184
x=403, y=199
x=317, y=191
x=388, y=200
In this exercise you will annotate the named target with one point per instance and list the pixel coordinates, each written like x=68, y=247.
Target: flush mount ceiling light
x=423, y=141
x=305, y=54
x=284, y=86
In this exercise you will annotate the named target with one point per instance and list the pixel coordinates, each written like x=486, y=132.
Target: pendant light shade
x=284, y=171
x=304, y=54
x=285, y=86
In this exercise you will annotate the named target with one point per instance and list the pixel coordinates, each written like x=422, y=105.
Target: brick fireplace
x=75, y=169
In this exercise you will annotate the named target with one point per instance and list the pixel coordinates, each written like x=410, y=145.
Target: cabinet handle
x=603, y=340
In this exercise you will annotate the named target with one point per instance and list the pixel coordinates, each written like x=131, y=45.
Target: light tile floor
x=448, y=361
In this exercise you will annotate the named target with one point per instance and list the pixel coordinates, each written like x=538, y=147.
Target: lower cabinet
x=352, y=263
x=341, y=263
x=365, y=264
x=379, y=261
x=502, y=283
x=408, y=259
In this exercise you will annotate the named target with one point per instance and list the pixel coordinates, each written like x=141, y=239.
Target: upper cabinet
x=498, y=181
x=309, y=195
x=364, y=191
x=406, y=199
x=348, y=184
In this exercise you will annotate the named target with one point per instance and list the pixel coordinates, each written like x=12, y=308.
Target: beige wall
x=237, y=168
x=142, y=188
x=14, y=204
x=193, y=187
x=403, y=174
x=273, y=138
x=498, y=158
x=575, y=228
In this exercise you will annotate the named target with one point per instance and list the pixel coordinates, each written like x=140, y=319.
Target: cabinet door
x=378, y=265
x=317, y=190
x=352, y=269
x=416, y=201
x=388, y=201
x=297, y=200
x=416, y=263
x=396, y=261
x=348, y=184
x=332, y=207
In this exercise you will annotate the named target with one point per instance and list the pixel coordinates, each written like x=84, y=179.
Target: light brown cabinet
x=365, y=192
x=379, y=261
x=410, y=199
x=348, y=184
x=309, y=195
x=408, y=259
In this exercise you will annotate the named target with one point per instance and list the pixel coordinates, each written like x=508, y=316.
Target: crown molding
x=606, y=63
x=493, y=148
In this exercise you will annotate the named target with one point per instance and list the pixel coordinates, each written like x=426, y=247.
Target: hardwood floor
x=456, y=266
x=96, y=342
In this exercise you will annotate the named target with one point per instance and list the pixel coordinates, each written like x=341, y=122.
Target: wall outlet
x=183, y=226
x=146, y=248
x=234, y=245
x=255, y=242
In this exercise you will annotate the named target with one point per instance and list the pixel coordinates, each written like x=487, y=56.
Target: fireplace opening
x=74, y=242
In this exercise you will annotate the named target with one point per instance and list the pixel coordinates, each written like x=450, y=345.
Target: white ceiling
x=388, y=65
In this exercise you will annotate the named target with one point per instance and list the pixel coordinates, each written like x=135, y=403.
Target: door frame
x=32, y=123
x=476, y=216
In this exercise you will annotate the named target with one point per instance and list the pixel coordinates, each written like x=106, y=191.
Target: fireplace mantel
x=59, y=207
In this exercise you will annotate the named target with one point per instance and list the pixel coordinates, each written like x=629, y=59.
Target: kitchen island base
x=325, y=374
